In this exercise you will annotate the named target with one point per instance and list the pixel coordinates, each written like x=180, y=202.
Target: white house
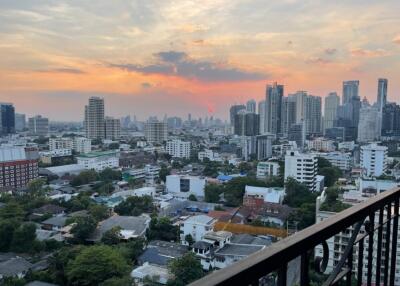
x=99, y=160
x=197, y=226
x=183, y=186
x=269, y=195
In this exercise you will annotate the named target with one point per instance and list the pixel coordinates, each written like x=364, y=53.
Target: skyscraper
x=20, y=122
x=94, y=118
x=391, y=121
x=261, y=113
x=382, y=93
x=247, y=123
x=233, y=111
x=350, y=89
x=288, y=113
x=251, y=106
x=332, y=102
x=156, y=131
x=38, y=125
x=7, y=118
x=112, y=128
x=369, y=126
x=273, y=108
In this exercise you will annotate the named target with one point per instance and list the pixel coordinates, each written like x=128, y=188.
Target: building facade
x=94, y=118
x=373, y=160
x=301, y=167
x=178, y=149
x=38, y=126
x=156, y=131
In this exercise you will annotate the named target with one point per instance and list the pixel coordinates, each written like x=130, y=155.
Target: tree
x=162, y=229
x=189, y=239
x=84, y=177
x=113, y=146
x=135, y=206
x=212, y=193
x=96, y=264
x=84, y=228
x=331, y=174
x=297, y=194
x=99, y=212
x=109, y=175
x=35, y=186
x=7, y=228
x=164, y=172
x=192, y=198
x=59, y=261
x=132, y=249
x=117, y=281
x=23, y=238
x=185, y=269
x=112, y=236
x=12, y=210
x=322, y=163
x=234, y=189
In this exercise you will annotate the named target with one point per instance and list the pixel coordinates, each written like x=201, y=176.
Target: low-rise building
x=267, y=169
x=178, y=149
x=184, y=186
x=196, y=226
x=321, y=144
x=210, y=155
x=99, y=160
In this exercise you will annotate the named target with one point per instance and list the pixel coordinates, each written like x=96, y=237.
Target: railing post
x=394, y=242
x=304, y=277
x=387, y=244
x=282, y=275
x=370, y=247
x=360, y=261
x=379, y=248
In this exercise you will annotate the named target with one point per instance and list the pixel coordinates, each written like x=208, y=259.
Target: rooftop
x=238, y=249
x=98, y=154
x=200, y=219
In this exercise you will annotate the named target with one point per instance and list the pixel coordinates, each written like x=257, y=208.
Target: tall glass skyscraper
x=382, y=93
x=7, y=118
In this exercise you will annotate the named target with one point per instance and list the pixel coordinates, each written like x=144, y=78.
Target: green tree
x=109, y=175
x=12, y=210
x=85, y=177
x=117, y=281
x=212, y=193
x=113, y=146
x=24, y=237
x=185, y=269
x=99, y=212
x=331, y=174
x=164, y=172
x=234, y=189
x=84, y=228
x=7, y=228
x=189, y=239
x=112, y=236
x=322, y=163
x=96, y=264
x=297, y=194
x=135, y=206
x=132, y=249
x=35, y=187
x=192, y=198
x=162, y=229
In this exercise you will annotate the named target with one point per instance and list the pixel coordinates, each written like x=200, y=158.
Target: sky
x=156, y=57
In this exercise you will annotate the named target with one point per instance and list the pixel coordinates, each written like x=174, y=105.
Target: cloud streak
x=173, y=63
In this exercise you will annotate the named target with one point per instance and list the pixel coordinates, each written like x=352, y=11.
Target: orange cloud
x=396, y=39
x=368, y=53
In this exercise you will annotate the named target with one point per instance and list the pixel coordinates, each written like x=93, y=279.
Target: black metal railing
x=362, y=262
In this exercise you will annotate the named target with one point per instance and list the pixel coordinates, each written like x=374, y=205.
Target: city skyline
x=160, y=58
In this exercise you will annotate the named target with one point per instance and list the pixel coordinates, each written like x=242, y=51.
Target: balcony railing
x=270, y=266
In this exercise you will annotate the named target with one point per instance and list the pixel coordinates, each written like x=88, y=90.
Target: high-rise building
x=233, y=111
x=273, y=108
x=7, y=118
x=38, y=125
x=247, y=124
x=288, y=113
x=261, y=113
x=350, y=89
x=369, y=126
x=60, y=143
x=332, y=102
x=382, y=93
x=391, y=121
x=251, y=106
x=313, y=116
x=156, y=131
x=94, y=118
x=20, y=122
x=264, y=146
x=112, y=128
x=373, y=160
x=301, y=167
x=297, y=133
x=178, y=149
x=18, y=166
x=82, y=145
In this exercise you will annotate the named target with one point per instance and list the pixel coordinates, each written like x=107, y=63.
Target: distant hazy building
x=7, y=118
x=350, y=89
x=373, y=160
x=264, y=146
x=38, y=125
x=60, y=143
x=247, y=123
x=20, y=122
x=369, y=126
x=233, y=111
x=301, y=167
x=82, y=145
x=391, y=121
x=267, y=169
x=251, y=106
x=332, y=102
x=112, y=128
x=178, y=149
x=156, y=131
x=297, y=133
x=382, y=93
x=288, y=113
x=94, y=118
x=273, y=108
x=261, y=113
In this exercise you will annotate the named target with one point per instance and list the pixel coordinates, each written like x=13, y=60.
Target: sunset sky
x=156, y=57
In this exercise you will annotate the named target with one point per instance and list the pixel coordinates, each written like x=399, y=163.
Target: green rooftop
x=98, y=154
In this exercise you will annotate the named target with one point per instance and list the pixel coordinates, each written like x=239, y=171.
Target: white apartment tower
x=373, y=159
x=301, y=167
x=178, y=149
x=94, y=118
x=369, y=124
